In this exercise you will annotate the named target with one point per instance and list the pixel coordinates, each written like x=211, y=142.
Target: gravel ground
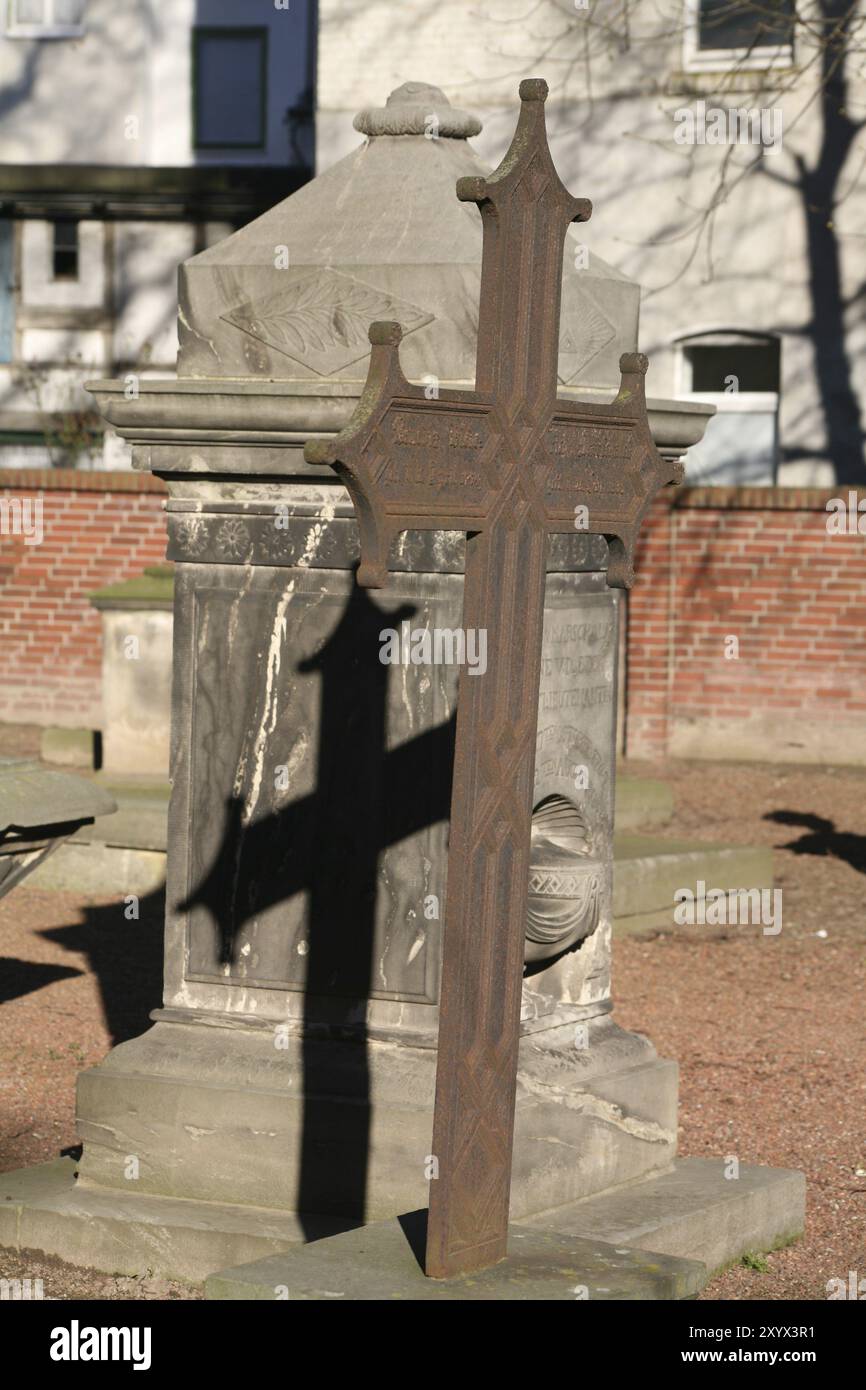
x=770, y=1032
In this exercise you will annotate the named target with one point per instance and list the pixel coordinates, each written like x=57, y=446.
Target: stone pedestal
x=343, y=1128
x=295, y=1052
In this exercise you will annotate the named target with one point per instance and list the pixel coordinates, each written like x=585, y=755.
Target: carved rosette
x=233, y=538
x=190, y=535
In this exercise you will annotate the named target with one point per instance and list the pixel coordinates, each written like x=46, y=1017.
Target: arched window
x=737, y=371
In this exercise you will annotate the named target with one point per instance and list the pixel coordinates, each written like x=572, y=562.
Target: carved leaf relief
x=321, y=319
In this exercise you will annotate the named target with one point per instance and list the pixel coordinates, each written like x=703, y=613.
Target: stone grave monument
x=286, y=1087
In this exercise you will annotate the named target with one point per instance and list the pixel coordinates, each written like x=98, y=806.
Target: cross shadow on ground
x=125, y=955
x=822, y=838
x=20, y=977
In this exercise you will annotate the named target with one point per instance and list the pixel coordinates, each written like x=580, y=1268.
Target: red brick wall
x=758, y=564
x=97, y=528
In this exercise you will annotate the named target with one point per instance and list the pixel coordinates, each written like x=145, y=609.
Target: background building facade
x=722, y=145
x=130, y=136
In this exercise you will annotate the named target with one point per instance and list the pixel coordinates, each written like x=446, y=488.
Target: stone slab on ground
x=68, y=747
x=649, y=869
x=141, y=819
x=692, y=1214
x=642, y=802
x=44, y=1208
x=382, y=1262
x=127, y=856
x=99, y=870
x=693, y=1211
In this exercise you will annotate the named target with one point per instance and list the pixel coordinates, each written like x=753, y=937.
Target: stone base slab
x=100, y=869
x=692, y=1213
x=642, y=803
x=382, y=1263
x=45, y=1208
x=694, y=1210
x=123, y=853
x=770, y=736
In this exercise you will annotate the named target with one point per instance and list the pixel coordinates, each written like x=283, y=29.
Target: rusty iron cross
x=508, y=463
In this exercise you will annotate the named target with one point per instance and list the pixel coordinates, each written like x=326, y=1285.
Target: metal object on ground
x=39, y=809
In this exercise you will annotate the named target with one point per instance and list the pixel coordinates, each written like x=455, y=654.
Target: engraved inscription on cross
x=508, y=463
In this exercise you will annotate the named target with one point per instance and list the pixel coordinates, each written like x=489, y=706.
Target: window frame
x=736, y=337
x=246, y=31
x=697, y=59
x=737, y=402
x=48, y=29
x=74, y=250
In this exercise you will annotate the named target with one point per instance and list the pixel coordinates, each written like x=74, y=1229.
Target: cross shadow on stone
x=327, y=846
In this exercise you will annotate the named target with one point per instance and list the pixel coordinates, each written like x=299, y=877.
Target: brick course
x=754, y=563
x=97, y=528
x=760, y=565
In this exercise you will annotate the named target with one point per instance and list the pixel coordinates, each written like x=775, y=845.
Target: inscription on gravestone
x=573, y=823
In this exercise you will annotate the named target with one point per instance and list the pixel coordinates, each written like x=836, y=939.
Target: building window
x=738, y=373
x=725, y=34
x=64, y=250
x=230, y=88
x=45, y=19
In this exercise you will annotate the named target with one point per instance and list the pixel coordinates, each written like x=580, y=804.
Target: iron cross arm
x=453, y=462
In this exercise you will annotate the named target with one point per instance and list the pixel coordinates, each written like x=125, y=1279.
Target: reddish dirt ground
x=770, y=1032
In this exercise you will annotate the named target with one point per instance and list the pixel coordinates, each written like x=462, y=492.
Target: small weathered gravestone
x=136, y=673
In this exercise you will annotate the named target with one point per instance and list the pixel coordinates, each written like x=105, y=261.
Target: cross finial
x=525, y=210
